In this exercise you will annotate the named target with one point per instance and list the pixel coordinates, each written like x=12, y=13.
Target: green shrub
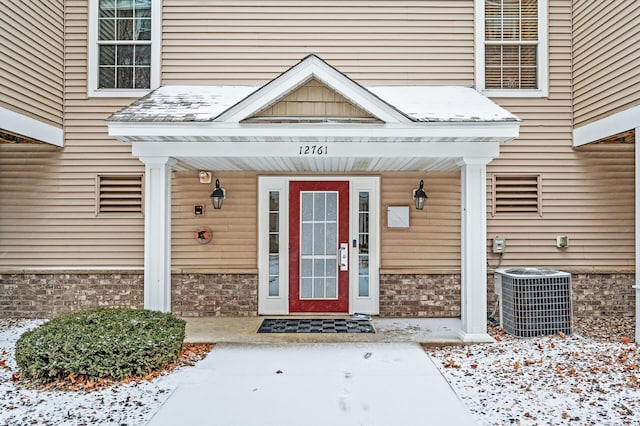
x=107, y=344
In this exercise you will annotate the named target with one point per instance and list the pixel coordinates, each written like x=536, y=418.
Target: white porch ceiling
x=320, y=165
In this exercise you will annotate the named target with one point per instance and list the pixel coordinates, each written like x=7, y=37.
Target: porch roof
x=205, y=104
x=405, y=127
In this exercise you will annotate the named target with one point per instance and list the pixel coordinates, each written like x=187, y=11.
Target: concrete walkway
x=312, y=384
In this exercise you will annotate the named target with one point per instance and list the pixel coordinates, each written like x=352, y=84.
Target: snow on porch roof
x=442, y=103
x=418, y=103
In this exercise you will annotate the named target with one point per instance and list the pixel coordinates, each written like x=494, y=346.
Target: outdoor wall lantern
x=419, y=196
x=218, y=196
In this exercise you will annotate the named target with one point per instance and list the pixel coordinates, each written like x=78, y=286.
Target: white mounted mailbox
x=398, y=216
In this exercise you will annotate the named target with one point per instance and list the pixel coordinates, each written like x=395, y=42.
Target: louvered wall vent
x=516, y=194
x=119, y=194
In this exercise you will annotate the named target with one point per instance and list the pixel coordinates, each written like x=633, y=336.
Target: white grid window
x=124, y=47
x=124, y=44
x=319, y=245
x=511, y=47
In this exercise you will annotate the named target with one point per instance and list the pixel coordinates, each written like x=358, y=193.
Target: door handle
x=344, y=256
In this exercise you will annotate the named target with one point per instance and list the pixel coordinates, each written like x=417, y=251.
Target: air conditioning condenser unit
x=534, y=301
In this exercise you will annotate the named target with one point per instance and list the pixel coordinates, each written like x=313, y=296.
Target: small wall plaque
x=398, y=216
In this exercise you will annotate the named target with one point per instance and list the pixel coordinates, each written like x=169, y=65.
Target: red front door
x=318, y=246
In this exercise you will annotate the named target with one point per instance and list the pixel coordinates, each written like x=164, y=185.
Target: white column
x=473, y=179
x=157, y=233
x=637, y=283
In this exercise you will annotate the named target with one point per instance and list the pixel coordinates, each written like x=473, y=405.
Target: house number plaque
x=313, y=150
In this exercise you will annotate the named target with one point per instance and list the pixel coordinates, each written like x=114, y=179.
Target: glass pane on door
x=274, y=244
x=363, y=244
x=319, y=245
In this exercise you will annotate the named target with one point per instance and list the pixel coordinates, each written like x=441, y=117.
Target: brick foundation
x=602, y=295
x=46, y=295
x=594, y=295
x=415, y=295
x=203, y=295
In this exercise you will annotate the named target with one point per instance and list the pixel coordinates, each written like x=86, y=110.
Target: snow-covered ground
x=550, y=380
x=129, y=405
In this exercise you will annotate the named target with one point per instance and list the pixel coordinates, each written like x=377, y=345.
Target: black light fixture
x=218, y=195
x=419, y=196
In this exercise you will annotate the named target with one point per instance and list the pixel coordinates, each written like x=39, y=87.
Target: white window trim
x=92, y=51
x=543, y=55
x=272, y=304
x=367, y=304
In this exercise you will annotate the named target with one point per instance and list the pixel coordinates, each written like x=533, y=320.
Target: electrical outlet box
x=499, y=245
x=562, y=241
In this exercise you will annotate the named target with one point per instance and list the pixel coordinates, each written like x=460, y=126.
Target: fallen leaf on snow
x=450, y=363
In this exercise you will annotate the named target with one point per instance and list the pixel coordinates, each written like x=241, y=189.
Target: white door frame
x=279, y=304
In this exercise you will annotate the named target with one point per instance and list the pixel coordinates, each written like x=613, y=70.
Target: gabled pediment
x=312, y=91
x=313, y=102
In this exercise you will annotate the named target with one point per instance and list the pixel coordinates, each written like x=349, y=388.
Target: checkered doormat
x=312, y=325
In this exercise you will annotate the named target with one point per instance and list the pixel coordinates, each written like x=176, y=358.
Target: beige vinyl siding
x=606, y=48
x=432, y=241
x=587, y=194
x=48, y=212
x=313, y=99
x=373, y=42
x=31, y=60
x=234, y=245
x=48, y=196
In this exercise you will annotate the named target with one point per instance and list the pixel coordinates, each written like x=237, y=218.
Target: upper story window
x=124, y=47
x=511, y=47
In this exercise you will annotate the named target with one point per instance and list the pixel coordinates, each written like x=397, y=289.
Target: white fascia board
x=484, y=150
x=30, y=127
x=311, y=67
x=608, y=126
x=501, y=131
